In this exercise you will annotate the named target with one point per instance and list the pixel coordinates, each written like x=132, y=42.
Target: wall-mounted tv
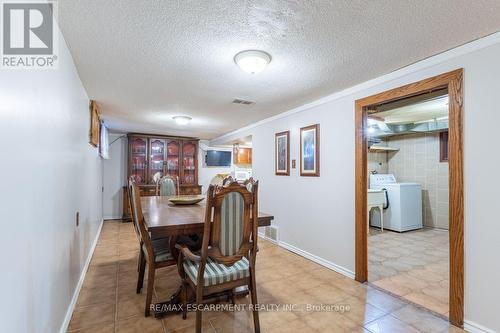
x=218, y=158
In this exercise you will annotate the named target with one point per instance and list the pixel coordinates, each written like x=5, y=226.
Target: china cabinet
x=153, y=156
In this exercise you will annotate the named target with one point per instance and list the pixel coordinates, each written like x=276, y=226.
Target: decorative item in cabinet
x=156, y=159
x=173, y=156
x=189, y=162
x=138, y=159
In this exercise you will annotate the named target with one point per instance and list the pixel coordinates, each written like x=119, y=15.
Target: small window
x=104, y=142
x=443, y=147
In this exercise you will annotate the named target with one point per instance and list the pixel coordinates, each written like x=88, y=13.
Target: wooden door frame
x=453, y=81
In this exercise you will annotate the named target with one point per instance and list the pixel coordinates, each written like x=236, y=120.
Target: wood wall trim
x=453, y=81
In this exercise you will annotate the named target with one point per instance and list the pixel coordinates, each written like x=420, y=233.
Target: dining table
x=165, y=219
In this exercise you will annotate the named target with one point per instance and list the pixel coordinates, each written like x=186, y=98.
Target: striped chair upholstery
x=161, y=250
x=167, y=187
x=231, y=228
x=216, y=273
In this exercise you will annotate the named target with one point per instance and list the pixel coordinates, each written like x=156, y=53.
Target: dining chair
x=227, y=180
x=155, y=253
x=168, y=186
x=218, y=179
x=249, y=183
x=228, y=250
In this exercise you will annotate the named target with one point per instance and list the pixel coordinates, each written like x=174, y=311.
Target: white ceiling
x=145, y=61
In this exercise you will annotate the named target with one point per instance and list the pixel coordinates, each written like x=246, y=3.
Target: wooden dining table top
x=164, y=218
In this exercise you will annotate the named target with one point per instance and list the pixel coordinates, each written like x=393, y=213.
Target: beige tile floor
x=413, y=265
x=108, y=302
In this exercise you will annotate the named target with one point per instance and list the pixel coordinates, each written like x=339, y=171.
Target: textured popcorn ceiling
x=145, y=61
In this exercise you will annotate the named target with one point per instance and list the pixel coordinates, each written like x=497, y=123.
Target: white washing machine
x=404, y=206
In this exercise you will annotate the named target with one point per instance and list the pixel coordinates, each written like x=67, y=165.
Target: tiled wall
x=418, y=161
x=377, y=162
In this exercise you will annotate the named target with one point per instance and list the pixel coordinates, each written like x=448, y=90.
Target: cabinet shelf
x=382, y=149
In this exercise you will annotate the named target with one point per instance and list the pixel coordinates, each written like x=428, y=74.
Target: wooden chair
x=249, y=183
x=218, y=179
x=228, y=180
x=156, y=253
x=229, y=261
x=168, y=186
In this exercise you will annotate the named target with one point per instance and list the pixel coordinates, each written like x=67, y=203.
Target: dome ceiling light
x=182, y=120
x=252, y=61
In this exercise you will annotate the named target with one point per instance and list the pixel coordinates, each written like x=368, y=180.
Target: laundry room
x=408, y=201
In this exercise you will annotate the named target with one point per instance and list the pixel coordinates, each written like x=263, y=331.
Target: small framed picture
x=282, y=153
x=95, y=124
x=309, y=151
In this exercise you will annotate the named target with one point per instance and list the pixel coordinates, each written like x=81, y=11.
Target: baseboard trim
x=105, y=218
x=473, y=327
x=74, y=299
x=323, y=262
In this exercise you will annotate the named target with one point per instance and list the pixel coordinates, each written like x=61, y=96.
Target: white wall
x=49, y=172
x=316, y=215
x=114, y=177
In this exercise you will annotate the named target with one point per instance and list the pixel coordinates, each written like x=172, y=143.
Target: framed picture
x=309, y=151
x=95, y=124
x=282, y=153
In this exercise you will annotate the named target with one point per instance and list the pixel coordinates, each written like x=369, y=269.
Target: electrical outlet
x=77, y=219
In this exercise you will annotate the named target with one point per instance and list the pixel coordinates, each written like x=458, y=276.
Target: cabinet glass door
x=156, y=159
x=173, y=156
x=189, y=162
x=138, y=151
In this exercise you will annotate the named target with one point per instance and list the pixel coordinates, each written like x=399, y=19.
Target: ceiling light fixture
x=182, y=120
x=252, y=61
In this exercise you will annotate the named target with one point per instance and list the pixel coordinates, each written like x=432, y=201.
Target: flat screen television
x=218, y=158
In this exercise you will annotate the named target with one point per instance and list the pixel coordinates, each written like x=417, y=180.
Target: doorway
x=452, y=83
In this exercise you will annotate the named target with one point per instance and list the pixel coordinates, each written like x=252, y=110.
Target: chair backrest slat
x=231, y=223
